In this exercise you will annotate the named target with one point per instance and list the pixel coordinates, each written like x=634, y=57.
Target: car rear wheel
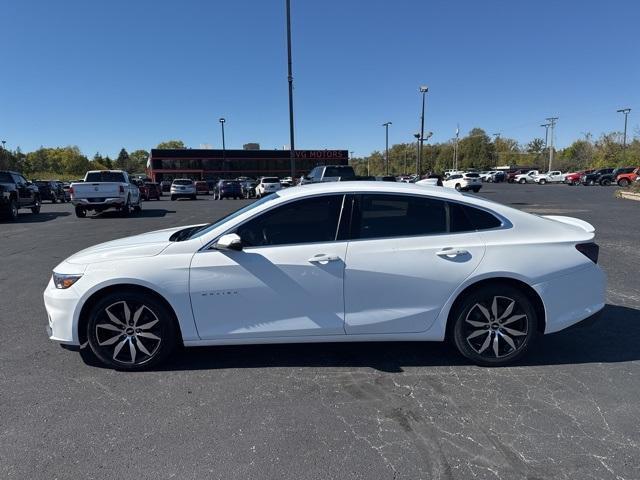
x=126, y=209
x=605, y=183
x=458, y=187
x=623, y=182
x=522, y=181
x=542, y=181
x=81, y=212
x=131, y=331
x=494, y=325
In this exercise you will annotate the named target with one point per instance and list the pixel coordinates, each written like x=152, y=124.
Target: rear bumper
x=572, y=298
x=107, y=203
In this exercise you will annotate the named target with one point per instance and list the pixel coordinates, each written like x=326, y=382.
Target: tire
x=542, y=181
x=124, y=339
x=173, y=198
x=80, y=212
x=138, y=208
x=36, y=207
x=624, y=182
x=13, y=209
x=485, y=341
x=476, y=190
x=591, y=183
x=605, y=183
x=54, y=198
x=125, y=211
x=522, y=181
x=193, y=197
x=458, y=187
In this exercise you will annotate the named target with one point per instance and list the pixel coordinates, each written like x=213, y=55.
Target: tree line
x=478, y=150
x=69, y=162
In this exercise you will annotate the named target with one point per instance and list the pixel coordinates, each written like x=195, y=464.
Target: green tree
x=476, y=150
x=171, y=144
x=123, y=162
x=138, y=160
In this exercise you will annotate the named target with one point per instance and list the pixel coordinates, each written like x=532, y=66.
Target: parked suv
x=202, y=187
x=16, y=193
x=594, y=177
x=227, y=189
x=464, y=182
x=267, y=185
x=626, y=179
x=50, y=190
x=329, y=173
x=609, y=178
x=153, y=190
x=183, y=188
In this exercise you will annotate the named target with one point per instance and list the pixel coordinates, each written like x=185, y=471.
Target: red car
x=573, y=178
x=153, y=191
x=202, y=188
x=144, y=191
x=626, y=179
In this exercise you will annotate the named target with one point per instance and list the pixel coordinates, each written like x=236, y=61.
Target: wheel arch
x=88, y=304
x=538, y=304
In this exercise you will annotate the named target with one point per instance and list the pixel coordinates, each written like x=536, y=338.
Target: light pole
x=455, y=149
x=429, y=135
x=386, y=128
x=625, y=112
x=552, y=124
x=423, y=89
x=224, y=153
x=290, y=81
x=417, y=136
x=3, y=143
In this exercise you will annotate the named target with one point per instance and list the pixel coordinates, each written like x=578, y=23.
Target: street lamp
x=3, y=143
x=417, y=137
x=222, y=120
x=625, y=112
x=423, y=89
x=546, y=133
x=386, y=128
x=292, y=148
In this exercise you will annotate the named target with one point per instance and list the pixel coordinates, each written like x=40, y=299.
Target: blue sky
x=108, y=74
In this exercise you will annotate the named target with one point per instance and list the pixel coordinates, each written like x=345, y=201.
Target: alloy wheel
x=129, y=333
x=496, y=328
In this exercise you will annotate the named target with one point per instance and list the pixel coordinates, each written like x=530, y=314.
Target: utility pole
x=404, y=170
x=552, y=124
x=224, y=153
x=423, y=89
x=386, y=128
x=546, y=133
x=625, y=112
x=290, y=81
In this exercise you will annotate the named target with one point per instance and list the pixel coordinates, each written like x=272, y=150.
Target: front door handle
x=324, y=257
x=452, y=252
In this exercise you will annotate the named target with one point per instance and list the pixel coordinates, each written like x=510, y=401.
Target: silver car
x=183, y=188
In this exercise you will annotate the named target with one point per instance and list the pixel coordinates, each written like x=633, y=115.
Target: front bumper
x=61, y=306
x=572, y=298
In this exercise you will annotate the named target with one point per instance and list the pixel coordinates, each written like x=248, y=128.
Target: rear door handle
x=324, y=257
x=452, y=252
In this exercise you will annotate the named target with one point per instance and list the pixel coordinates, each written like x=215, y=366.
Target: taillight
x=70, y=190
x=589, y=250
x=121, y=189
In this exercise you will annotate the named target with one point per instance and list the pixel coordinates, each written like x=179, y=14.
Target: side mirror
x=230, y=241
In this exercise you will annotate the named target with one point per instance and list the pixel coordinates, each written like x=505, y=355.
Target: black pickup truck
x=594, y=177
x=17, y=193
x=609, y=178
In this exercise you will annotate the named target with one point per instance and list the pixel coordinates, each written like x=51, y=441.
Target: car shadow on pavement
x=145, y=213
x=613, y=337
x=35, y=218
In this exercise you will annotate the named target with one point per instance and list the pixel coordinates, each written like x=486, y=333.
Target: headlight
x=62, y=281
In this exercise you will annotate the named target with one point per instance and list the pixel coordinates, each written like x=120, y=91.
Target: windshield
x=212, y=226
x=344, y=172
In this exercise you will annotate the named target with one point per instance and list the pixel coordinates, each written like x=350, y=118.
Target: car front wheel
x=623, y=182
x=36, y=206
x=131, y=331
x=494, y=325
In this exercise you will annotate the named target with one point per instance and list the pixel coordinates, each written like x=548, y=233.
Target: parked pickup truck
x=554, y=176
x=526, y=177
x=16, y=193
x=105, y=189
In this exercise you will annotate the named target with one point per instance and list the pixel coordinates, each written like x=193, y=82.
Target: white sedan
x=333, y=262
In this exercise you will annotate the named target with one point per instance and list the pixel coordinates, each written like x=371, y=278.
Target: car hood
x=144, y=245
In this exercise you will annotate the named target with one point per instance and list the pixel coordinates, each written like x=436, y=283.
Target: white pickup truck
x=105, y=189
x=554, y=176
x=528, y=177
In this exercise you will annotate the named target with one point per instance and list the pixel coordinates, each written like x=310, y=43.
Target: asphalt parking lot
x=383, y=411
